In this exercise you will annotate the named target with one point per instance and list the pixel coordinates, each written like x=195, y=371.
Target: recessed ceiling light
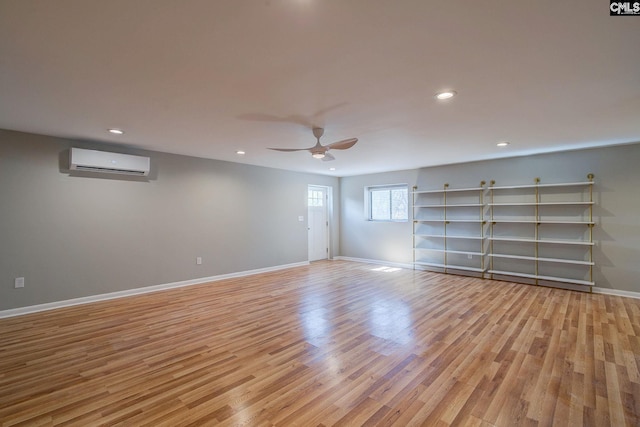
x=240, y=153
x=502, y=144
x=446, y=94
x=332, y=169
x=116, y=131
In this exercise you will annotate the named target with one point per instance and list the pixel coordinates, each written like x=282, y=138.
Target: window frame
x=368, y=191
x=313, y=204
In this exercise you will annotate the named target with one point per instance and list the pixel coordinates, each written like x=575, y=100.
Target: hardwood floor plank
x=332, y=343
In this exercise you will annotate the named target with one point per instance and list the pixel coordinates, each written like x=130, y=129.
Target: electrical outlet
x=19, y=282
x=469, y=256
x=199, y=260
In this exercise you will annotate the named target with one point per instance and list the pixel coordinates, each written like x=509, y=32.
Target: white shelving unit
x=542, y=232
x=449, y=230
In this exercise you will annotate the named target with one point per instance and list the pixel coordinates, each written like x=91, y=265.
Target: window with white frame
x=387, y=203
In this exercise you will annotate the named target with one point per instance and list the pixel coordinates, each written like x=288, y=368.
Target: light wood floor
x=335, y=343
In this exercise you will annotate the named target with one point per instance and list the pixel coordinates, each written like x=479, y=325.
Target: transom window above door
x=316, y=198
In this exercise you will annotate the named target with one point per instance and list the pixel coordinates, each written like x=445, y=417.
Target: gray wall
x=616, y=193
x=385, y=241
x=75, y=236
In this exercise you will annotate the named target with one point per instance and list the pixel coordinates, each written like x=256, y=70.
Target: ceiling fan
x=320, y=151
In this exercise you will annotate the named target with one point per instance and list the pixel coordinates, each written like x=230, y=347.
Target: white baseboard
x=616, y=292
x=137, y=291
x=375, y=261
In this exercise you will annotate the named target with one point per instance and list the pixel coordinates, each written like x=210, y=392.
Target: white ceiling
x=206, y=78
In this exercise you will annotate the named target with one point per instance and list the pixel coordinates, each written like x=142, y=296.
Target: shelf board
x=451, y=267
x=512, y=273
x=533, y=221
x=449, y=251
x=548, y=278
x=532, y=258
x=566, y=261
x=448, y=190
x=451, y=237
x=565, y=203
x=566, y=222
x=450, y=220
x=457, y=205
x=430, y=264
x=560, y=184
x=465, y=268
x=542, y=204
x=513, y=204
x=552, y=242
x=563, y=279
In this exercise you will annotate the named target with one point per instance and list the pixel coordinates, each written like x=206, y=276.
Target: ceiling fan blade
x=289, y=149
x=328, y=157
x=343, y=145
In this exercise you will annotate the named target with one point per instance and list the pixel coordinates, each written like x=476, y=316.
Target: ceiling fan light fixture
x=319, y=151
x=447, y=94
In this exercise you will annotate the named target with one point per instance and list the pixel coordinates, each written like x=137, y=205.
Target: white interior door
x=318, y=224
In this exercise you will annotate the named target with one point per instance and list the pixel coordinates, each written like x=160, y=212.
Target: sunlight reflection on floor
x=386, y=269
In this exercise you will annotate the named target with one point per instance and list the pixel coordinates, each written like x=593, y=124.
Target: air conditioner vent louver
x=105, y=170
x=105, y=162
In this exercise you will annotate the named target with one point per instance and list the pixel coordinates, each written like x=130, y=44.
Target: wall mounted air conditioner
x=105, y=162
